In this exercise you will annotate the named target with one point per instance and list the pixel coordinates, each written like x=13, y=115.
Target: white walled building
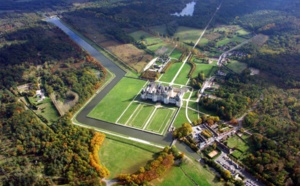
x=164, y=94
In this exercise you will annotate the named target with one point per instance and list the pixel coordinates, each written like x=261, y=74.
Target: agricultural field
x=135, y=58
x=161, y=48
x=176, y=54
x=207, y=69
x=236, y=66
x=139, y=154
x=187, y=34
x=114, y=103
x=147, y=38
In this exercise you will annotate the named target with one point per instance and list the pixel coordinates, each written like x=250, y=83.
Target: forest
x=33, y=52
x=35, y=151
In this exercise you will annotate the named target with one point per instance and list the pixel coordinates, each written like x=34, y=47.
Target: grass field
x=176, y=54
x=134, y=106
x=169, y=75
x=236, y=142
x=46, y=109
x=187, y=34
x=182, y=78
x=228, y=40
x=203, y=67
x=160, y=120
x=141, y=116
x=147, y=117
x=148, y=39
x=113, y=104
x=237, y=154
x=236, y=66
x=176, y=176
x=180, y=119
x=113, y=153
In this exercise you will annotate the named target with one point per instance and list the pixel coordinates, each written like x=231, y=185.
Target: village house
x=164, y=94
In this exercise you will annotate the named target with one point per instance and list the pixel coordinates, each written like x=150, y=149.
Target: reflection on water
x=187, y=11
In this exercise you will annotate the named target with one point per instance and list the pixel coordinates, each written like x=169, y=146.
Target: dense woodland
x=58, y=153
x=35, y=151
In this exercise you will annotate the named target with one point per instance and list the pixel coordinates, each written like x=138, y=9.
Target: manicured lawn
x=181, y=118
x=114, y=155
x=160, y=120
x=141, y=116
x=131, y=109
x=187, y=34
x=176, y=54
x=194, y=170
x=236, y=142
x=193, y=115
x=236, y=66
x=117, y=100
x=170, y=74
x=182, y=78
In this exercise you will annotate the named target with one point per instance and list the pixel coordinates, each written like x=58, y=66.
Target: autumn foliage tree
x=152, y=170
x=183, y=131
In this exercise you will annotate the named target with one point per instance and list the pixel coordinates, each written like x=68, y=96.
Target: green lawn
x=46, y=109
x=236, y=66
x=203, y=41
x=176, y=176
x=132, y=108
x=236, y=142
x=149, y=39
x=117, y=100
x=156, y=47
x=181, y=118
x=160, y=120
x=140, y=117
x=228, y=40
x=205, y=68
x=237, y=154
x=193, y=115
x=169, y=75
x=182, y=78
x=176, y=54
x=187, y=34
x=113, y=153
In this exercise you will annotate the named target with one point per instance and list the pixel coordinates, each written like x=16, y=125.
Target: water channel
x=119, y=74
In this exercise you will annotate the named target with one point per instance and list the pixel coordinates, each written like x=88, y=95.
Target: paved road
x=119, y=73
